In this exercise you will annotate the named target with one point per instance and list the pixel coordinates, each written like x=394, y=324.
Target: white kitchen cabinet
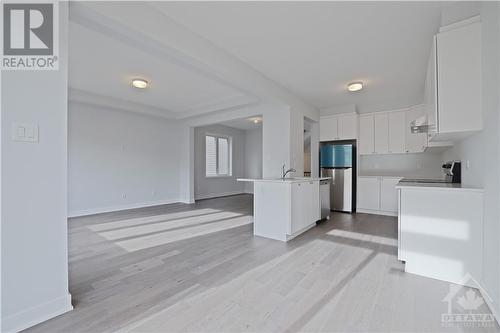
x=388, y=194
x=348, y=126
x=430, y=92
x=305, y=205
x=381, y=124
x=283, y=209
x=453, y=84
x=339, y=127
x=377, y=195
x=397, y=140
x=328, y=128
x=366, y=135
x=414, y=143
x=368, y=193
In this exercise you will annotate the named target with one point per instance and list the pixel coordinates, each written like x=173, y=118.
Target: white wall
x=120, y=160
x=34, y=249
x=483, y=151
x=423, y=165
x=253, y=156
x=219, y=186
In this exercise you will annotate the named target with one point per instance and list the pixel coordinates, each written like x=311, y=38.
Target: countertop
x=438, y=186
x=286, y=180
x=397, y=175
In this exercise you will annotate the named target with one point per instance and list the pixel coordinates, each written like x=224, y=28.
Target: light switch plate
x=25, y=132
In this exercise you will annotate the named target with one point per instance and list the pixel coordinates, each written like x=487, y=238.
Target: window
x=217, y=156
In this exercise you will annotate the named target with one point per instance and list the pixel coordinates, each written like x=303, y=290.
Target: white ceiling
x=316, y=48
x=105, y=66
x=243, y=123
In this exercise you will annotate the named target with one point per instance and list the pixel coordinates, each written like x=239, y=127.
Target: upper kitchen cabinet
x=338, y=127
x=414, y=142
x=366, y=143
x=382, y=133
x=397, y=130
x=381, y=123
x=453, y=85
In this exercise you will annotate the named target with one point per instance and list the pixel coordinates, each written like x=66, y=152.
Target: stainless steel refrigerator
x=336, y=161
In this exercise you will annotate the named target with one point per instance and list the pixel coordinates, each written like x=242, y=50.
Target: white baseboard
x=489, y=302
x=218, y=195
x=376, y=212
x=37, y=314
x=108, y=209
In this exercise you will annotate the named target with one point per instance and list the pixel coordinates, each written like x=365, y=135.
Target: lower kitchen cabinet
x=389, y=194
x=368, y=193
x=305, y=205
x=377, y=195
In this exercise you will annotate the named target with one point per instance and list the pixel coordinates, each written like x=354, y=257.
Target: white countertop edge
x=279, y=180
x=439, y=186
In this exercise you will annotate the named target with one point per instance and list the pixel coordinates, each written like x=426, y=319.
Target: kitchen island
x=441, y=231
x=285, y=208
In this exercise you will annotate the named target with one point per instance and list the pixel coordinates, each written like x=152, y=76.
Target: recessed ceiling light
x=355, y=86
x=139, y=83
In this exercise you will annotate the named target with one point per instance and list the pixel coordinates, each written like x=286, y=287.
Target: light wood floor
x=199, y=268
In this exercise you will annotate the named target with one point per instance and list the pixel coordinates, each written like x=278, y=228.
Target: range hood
x=419, y=125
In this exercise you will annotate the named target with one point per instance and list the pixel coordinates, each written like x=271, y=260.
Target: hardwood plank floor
x=198, y=268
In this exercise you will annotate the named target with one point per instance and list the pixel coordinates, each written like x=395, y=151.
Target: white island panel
x=441, y=232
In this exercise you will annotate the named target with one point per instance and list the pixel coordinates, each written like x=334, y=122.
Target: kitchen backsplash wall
x=424, y=165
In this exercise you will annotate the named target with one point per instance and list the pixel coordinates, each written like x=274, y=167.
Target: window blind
x=211, y=155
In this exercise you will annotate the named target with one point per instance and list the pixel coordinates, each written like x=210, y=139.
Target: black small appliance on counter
x=453, y=171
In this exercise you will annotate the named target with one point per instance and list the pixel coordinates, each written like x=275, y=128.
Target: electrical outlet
x=467, y=164
x=124, y=195
x=153, y=193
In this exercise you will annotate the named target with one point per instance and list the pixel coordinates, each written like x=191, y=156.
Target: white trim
x=338, y=115
x=37, y=314
x=462, y=23
x=79, y=96
x=218, y=195
x=99, y=210
x=489, y=302
x=299, y=232
x=376, y=212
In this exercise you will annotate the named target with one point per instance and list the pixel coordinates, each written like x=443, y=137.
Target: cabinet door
x=415, y=143
x=397, y=129
x=305, y=205
x=366, y=135
x=381, y=122
x=430, y=93
x=459, y=79
x=315, y=207
x=328, y=129
x=389, y=194
x=298, y=208
x=347, y=127
x=368, y=193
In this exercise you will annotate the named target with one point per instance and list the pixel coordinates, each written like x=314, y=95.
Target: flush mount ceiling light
x=139, y=83
x=355, y=86
x=255, y=120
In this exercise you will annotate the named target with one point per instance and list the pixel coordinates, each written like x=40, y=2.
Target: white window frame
x=229, y=139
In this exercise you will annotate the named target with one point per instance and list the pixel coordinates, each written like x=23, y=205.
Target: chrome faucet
x=284, y=173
